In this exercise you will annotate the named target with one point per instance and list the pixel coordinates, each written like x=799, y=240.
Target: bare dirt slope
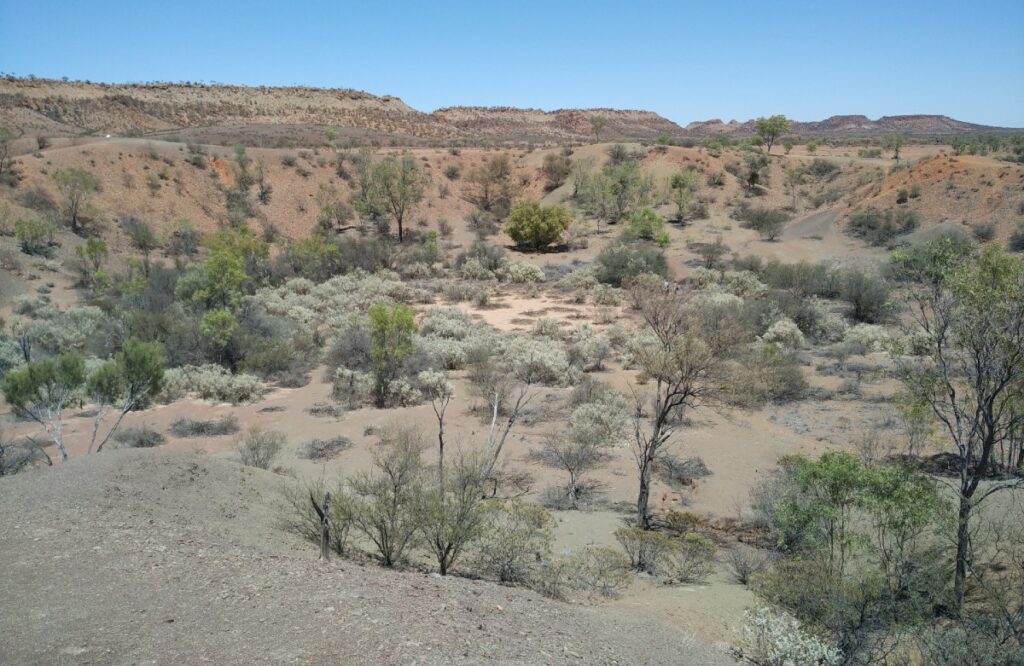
x=156, y=557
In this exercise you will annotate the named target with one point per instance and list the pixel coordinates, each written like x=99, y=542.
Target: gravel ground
x=151, y=557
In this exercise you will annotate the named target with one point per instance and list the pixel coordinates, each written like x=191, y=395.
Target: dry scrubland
x=726, y=330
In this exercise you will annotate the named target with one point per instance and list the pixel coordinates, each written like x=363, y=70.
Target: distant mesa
x=40, y=107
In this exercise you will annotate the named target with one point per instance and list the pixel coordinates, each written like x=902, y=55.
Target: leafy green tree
x=534, y=227
x=756, y=165
x=335, y=215
x=598, y=123
x=396, y=186
x=41, y=390
x=77, y=187
x=830, y=488
x=490, y=187
x=391, y=331
x=787, y=145
x=769, y=222
x=91, y=256
x=971, y=312
x=218, y=327
x=862, y=549
x=616, y=191
x=220, y=280
x=142, y=238
x=130, y=380
x=684, y=186
x=771, y=128
x=646, y=224
x=894, y=142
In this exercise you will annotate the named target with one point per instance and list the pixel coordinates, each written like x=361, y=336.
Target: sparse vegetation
x=259, y=448
x=892, y=365
x=186, y=427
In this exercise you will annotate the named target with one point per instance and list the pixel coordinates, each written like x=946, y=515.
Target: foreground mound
x=170, y=558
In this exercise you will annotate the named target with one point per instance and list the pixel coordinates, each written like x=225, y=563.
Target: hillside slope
x=170, y=558
x=289, y=116
x=852, y=126
x=56, y=108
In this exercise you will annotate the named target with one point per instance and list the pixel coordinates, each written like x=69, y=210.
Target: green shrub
x=619, y=262
x=489, y=257
x=32, y=235
x=647, y=225
x=868, y=295
x=534, y=227
x=186, y=427
x=820, y=168
x=518, y=534
x=646, y=549
x=769, y=222
x=681, y=522
x=596, y=572
x=692, y=559
x=386, y=501
x=259, y=448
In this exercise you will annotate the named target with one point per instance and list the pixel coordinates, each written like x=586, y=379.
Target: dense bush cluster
x=882, y=227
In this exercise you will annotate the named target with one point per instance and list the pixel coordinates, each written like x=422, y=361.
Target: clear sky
x=688, y=60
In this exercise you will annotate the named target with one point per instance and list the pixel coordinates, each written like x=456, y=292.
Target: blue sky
x=686, y=60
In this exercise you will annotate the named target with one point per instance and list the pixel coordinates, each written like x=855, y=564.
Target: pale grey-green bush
x=210, y=382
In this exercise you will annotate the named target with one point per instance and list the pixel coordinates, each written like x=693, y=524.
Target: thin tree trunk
x=96, y=427
x=963, y=553
x=643, y=516
x=58, y=437
x=113, y=428
x=324, y=513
